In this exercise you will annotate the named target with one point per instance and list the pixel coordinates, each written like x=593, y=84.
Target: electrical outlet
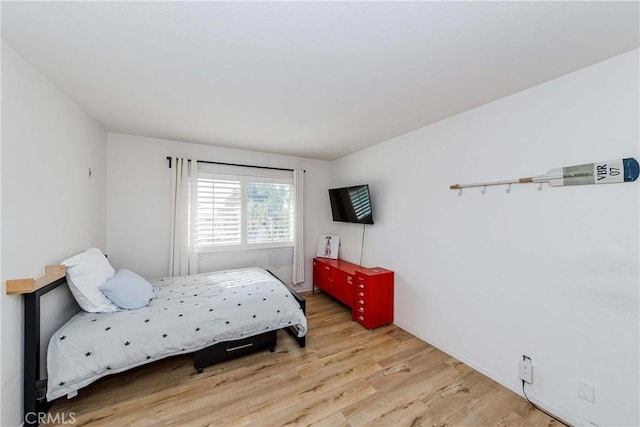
x=526, y=369
x=586, y=391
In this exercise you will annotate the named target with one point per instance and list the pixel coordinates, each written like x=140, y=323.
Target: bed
x=215, y=316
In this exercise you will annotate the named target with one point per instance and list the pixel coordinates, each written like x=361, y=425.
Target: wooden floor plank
x=346, y=376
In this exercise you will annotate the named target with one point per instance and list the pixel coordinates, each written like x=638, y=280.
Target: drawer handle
x=361, y=302
x=239, y=347
x=361, y=286
x=361, y=309
x=360, y=294
x=361, y=318
x=326, y=268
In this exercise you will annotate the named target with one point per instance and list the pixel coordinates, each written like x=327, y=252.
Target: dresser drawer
x=361, y=279
x=366, y=320
x=343, y=287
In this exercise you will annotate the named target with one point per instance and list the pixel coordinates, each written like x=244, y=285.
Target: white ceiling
x=311, y=79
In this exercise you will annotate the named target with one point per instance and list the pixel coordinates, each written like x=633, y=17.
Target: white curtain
x=297, y=275
x=184, y=256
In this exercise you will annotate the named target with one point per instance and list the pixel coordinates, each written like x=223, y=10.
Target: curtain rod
x=237, y=164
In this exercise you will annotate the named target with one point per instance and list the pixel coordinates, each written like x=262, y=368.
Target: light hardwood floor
x=346, y=376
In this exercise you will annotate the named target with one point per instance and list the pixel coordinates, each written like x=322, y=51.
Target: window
x=269, y=212
x=238, y=209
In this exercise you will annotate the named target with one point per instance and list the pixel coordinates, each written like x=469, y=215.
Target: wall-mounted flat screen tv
x=351, y=204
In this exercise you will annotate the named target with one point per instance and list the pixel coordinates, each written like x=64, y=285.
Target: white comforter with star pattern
x=188, y=314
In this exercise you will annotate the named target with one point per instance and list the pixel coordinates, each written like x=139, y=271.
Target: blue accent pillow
x=128, y=290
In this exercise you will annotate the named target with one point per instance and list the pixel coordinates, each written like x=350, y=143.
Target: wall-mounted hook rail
x=484, y=185
x=611, y=171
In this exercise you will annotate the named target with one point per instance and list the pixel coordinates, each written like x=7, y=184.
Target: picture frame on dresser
x=328, y=246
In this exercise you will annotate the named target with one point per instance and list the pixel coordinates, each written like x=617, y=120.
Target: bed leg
x=302, y=341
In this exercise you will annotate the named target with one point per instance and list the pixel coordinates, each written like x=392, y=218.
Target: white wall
x=50, y=209
x=138, y=205
x=551, y=274
x=1, y=262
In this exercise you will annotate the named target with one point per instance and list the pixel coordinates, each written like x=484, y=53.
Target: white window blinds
x=219, y=216
x=239, y=210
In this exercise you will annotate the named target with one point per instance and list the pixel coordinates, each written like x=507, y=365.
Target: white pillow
x=86, y=272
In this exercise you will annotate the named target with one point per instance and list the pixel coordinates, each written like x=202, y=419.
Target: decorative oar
x=612, y=171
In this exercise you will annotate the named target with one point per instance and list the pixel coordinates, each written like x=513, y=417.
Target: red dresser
x=368, y=291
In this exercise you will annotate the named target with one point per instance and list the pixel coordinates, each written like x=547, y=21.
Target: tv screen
x=351, y=204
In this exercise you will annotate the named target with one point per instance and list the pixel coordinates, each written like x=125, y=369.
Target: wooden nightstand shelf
x=367, y=291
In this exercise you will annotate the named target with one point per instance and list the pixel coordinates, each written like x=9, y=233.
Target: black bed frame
x=35, y=388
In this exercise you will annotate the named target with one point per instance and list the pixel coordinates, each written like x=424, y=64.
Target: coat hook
x=540, y=187
x=484, y=190
x=460, y=192
x=508, y=189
